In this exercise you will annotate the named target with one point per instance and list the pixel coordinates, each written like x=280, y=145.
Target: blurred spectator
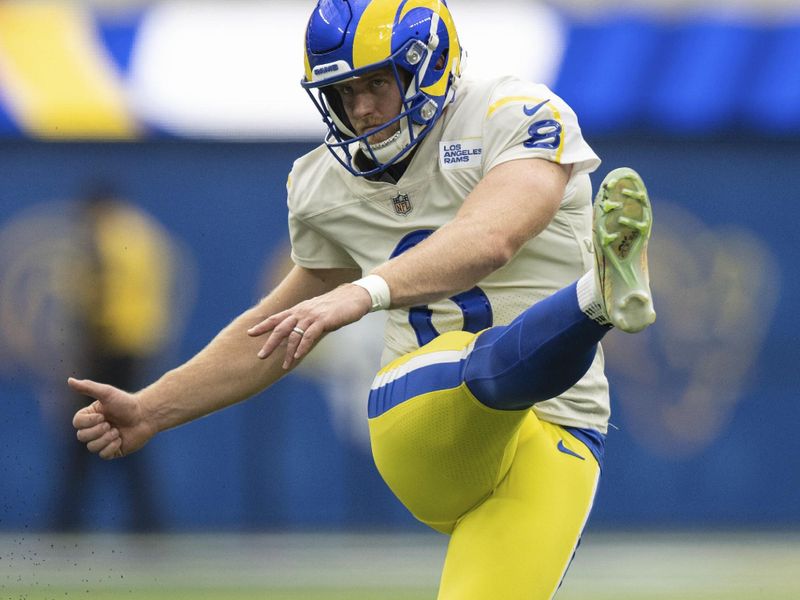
x=122, y=303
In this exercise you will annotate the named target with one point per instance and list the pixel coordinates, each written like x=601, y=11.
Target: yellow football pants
x=507, y=486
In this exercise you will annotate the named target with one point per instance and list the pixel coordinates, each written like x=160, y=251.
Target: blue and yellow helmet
x=416, y=39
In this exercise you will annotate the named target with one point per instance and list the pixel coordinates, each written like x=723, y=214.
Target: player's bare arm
x=303, y=325
x=513, y=203
x=226, y=371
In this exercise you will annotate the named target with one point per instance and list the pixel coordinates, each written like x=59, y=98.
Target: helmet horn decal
x=372, y=42
x=440, y=11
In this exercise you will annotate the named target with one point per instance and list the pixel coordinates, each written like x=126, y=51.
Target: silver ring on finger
x=299, y=330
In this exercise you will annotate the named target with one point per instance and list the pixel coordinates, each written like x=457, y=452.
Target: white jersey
x=337, y=220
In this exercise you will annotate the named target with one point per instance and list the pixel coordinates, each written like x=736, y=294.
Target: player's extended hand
x=114, y=424
x=313, y=318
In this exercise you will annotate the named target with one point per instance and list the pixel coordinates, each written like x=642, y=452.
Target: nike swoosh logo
x=532, y=111
x=565, y=450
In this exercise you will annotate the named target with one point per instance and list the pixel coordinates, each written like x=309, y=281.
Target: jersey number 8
x=474, y=304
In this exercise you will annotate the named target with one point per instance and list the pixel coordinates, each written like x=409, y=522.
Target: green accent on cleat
x=623, y=220
x=607, y=238
x=636, y=195
x=608, y=205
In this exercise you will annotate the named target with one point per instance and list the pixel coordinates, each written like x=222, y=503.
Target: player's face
x=370, y=101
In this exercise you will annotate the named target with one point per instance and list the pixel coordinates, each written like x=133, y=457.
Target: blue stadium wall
x=705, y=404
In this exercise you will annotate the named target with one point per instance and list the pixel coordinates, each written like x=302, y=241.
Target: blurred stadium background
x=190, y=112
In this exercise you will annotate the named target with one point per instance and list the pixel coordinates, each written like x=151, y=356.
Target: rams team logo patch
x=460, y=154
x=402, y=205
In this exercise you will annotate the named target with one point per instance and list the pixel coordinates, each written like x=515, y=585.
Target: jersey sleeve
x=526, y=120
x=311, y=248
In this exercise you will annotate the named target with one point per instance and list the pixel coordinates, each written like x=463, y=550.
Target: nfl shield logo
x=402, y=205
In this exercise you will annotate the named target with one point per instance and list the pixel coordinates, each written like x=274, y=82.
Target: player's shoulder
x=511, y=92
x=487, y=91
x=510, y=86
x=314, y=162
x=485, y=99
x=311, y=173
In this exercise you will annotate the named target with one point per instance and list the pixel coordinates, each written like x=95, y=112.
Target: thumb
x=87, y=387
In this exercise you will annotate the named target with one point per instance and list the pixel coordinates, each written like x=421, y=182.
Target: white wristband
x=378, y=290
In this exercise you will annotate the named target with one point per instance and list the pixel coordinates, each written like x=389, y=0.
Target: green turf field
x=221, y=594
x=701, y=566
x=364, y=594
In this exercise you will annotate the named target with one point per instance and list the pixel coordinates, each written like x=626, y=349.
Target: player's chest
x=384, y=221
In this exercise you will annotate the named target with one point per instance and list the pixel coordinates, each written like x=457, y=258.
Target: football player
x=463, y=209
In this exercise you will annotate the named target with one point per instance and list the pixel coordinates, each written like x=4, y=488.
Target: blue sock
x=539, y=355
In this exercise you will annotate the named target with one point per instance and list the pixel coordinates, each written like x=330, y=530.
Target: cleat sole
x=622, y=223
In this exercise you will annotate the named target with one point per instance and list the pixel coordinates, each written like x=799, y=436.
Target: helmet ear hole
x=441, y=61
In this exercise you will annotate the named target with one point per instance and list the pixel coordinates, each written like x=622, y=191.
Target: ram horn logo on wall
x=47, y=275
x=678, y=384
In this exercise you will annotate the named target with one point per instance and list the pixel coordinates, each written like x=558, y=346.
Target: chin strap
x=388, y=149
